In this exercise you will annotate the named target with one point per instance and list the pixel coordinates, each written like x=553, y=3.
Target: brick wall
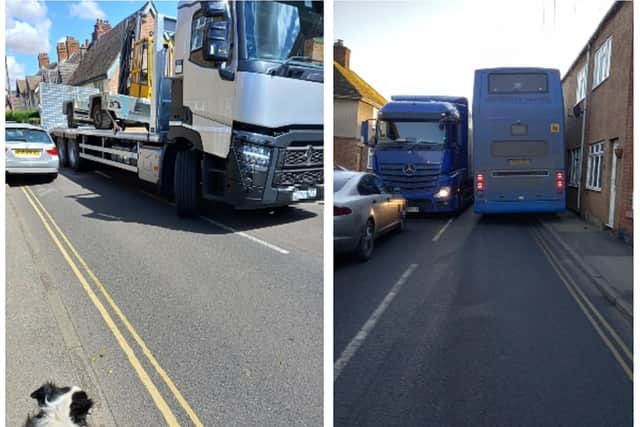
x=625, y=213
x=350, y=153
x=146, y=28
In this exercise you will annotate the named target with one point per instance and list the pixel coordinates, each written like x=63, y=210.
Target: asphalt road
x=476, y=328
x=229, y=306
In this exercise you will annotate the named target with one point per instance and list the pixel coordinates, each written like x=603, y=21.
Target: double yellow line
x=624, y=359
x=160, y=402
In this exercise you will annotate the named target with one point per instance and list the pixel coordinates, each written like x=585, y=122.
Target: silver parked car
x=363, y=209
x=30, y=150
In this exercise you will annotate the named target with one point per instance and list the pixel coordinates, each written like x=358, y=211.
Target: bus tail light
x=559, y=181
x=480, y=185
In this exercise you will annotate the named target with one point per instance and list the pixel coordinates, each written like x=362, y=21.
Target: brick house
x=598, y=97
x=100, y=66
x=354, y=101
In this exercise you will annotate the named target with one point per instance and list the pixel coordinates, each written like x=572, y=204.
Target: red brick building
x=354, y=101
x=598, y=96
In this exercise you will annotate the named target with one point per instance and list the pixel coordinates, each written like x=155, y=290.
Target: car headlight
x=443, y=193
x=255, y=155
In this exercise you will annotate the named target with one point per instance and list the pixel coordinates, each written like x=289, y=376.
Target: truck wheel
x=186, y=183
x=63, y=155
x=365, y=246
x=74, y=155
x=101, y=119
x=71, y=123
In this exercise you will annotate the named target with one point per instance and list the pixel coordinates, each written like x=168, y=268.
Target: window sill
x=595, y=190
x=599, y=84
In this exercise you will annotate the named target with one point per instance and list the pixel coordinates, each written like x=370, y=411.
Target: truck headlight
x=443, y=193
x=255, y=155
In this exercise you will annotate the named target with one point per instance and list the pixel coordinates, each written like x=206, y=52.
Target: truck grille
x=304, y=156
x=424, y=178
x=298, y=177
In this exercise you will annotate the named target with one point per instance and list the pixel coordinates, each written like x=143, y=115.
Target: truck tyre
x=366, y=243
x=71, y=123
x=186, y=183
x=74, y=155
x=63, y=155
x=101, y=119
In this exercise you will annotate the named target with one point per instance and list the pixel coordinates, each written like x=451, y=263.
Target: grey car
x=363, y=209
x=30, y=150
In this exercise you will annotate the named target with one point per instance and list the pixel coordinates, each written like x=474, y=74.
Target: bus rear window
x=518, y=83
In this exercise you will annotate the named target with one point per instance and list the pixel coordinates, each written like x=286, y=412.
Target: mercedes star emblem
x=409, y=169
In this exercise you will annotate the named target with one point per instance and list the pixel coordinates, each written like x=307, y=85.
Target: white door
x=612, y=192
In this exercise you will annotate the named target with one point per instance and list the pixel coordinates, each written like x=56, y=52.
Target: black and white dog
x=60, y=407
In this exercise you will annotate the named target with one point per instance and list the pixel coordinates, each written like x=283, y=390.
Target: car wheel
x=365, y=246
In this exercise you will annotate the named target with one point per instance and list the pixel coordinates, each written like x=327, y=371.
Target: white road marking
x=225, y=227
x=442, y=230
x=102, y=174
x=361, y=336
x=245, y=235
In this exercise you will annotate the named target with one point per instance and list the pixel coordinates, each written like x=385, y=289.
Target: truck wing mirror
x=368, y=132
x=217, y=41
x=214, y=9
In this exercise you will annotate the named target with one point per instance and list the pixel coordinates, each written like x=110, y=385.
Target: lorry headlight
x=443, y=193
x=255, y=155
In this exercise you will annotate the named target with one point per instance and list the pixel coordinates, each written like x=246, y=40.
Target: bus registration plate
x=518, y=162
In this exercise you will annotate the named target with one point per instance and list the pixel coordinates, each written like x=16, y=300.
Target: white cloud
x=16, y=70
x=87, y=9
x=27, y=26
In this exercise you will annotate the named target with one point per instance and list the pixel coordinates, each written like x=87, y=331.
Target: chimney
x=43, y=60
x=341, y=54
x=72, y=44
x=63, y=54
x=99, y=29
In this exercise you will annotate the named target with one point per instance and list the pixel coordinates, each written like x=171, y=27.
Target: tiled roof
x=33, y=82
x=21, y=86
x=348, y=84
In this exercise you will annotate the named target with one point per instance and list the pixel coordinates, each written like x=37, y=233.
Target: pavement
x=606, y=258
x=486, y=325
x=215, y=320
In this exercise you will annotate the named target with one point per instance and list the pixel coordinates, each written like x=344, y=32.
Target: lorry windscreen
x=415, y=132
x=278, y=31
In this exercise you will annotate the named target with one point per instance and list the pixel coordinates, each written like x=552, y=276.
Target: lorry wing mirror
x=215, y=8
x=217, y=41
x=368, y=132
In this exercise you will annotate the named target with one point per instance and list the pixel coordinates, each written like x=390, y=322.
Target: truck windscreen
x=423, y=132
x=281, y=31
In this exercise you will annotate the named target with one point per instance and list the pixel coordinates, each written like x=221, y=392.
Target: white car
x=363, y=210
x=30, y=150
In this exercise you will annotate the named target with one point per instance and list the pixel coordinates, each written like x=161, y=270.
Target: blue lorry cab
x=421, y=151
x=518, y=141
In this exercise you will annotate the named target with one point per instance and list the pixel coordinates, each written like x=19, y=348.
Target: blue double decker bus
x=518, y=141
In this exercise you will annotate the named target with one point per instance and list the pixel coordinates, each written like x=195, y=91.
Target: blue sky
x=37, y=25
x=433, y=47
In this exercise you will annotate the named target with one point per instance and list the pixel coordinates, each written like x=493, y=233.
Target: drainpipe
x=584, y=123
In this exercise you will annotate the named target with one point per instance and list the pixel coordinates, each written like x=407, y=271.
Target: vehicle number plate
x=516, y=162
x=305, y=194
x=26, y=153
x=413, y=209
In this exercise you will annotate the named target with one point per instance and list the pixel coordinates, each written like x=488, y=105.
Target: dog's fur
x=60, y=407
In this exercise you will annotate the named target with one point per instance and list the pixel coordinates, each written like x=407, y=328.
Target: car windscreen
x=16, y=135
x=339, y=180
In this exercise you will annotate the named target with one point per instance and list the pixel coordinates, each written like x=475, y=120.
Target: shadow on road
x=120, y=199
x=26, y=180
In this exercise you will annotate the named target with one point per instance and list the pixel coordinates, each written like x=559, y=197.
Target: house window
x=581, y=84
x=594, y=166
x=601, y=63
x=574, y=167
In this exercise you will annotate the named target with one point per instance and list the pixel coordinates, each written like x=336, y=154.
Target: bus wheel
x=186, y=183
x=74, y=155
